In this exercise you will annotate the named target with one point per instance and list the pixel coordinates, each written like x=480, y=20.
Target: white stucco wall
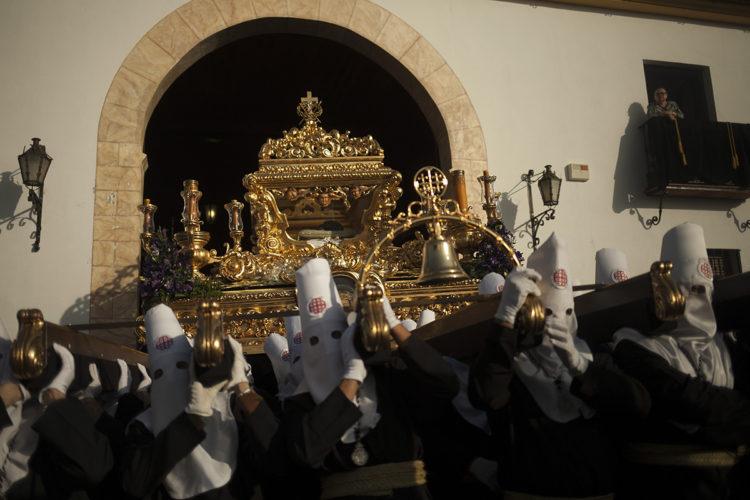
x=554, y=86
x=58, y=60
x=550, y=85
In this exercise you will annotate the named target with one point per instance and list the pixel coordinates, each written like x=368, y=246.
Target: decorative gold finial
x=310, y=108
x=312, y=141
x=430, y=182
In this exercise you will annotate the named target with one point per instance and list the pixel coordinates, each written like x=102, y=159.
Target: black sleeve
x=739, y=349
x=128, y=406
x=609, y=390
x=147, y=460
x=114, y=426
x=723, y=415
x=262, y=426
x=492, y=370
x=70, y=445
x=314, y=430
x=432, y=377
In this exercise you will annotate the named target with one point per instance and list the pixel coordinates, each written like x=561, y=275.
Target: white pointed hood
x=293, y=325
x=491, y=283
x=323, y=322
x=551, y=261
x=692, y=347
x=409, y=324
x=540, y=369
x=168, y=347
x=277, y=350
x=685, y=247
x=611, y=266
x=211, y=464
x=426, y=316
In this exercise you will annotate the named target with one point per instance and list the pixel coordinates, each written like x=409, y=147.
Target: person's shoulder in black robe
x=72, y=456
x=147, y=459
x=575, y=458
x=689, y=411
x=408, y=392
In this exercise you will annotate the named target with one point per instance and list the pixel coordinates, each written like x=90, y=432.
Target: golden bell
x=439, y=262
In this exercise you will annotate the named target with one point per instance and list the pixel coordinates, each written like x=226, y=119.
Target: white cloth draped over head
x=409, y=324
x=323, y=322
x=491, y=283
x=425, y=317
x=692, y=347
x=211, y=464
x=18, y=441
x=293, y=325
x=277, y=350
x=611, y=266
x=540, y=369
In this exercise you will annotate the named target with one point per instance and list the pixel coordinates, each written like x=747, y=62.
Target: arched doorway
x=213, y=119
x=174, y=44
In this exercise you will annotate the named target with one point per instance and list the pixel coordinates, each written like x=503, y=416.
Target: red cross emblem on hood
x=164, y=342
x=619, y=276
x=317, y=305
x=705, y=269
x=560, y=278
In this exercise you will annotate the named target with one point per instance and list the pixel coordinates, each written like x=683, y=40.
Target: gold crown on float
x=312, y=141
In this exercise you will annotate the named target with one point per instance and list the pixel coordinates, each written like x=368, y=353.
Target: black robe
x=71, y=458
x=540, y=456
x=147, y=459
x=451, y=444
x=720, y=415
x=412, y=386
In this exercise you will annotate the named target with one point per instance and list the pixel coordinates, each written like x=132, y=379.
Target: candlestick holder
x=234, y=209
x=192, y=239
x=490, y=205
x=148, y=210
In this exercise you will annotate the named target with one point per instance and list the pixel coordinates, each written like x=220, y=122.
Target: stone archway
x=151, y=67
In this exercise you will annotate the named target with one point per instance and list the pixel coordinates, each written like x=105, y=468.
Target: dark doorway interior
x=211, y=122
x=688, y=84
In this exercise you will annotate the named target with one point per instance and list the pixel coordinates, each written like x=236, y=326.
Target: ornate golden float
x=317, y=193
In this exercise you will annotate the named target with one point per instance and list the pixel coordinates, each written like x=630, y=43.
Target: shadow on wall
x=630, y=171
x=78, y=313
x=508, y=211
x=10, y=195
x=115, y=304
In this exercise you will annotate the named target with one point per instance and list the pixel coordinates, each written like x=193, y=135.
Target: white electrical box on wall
x=577, y=172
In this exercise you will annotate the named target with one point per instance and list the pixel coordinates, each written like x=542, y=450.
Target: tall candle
x=459, y=189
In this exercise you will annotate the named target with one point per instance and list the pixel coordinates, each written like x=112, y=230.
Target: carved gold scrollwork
x=28, y=354
x=668, y=301
x=312, y=141
x=208, y=345
x=234, y=265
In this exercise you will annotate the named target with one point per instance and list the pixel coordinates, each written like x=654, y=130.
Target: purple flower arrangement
x=165, y=271
x=489, y=257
